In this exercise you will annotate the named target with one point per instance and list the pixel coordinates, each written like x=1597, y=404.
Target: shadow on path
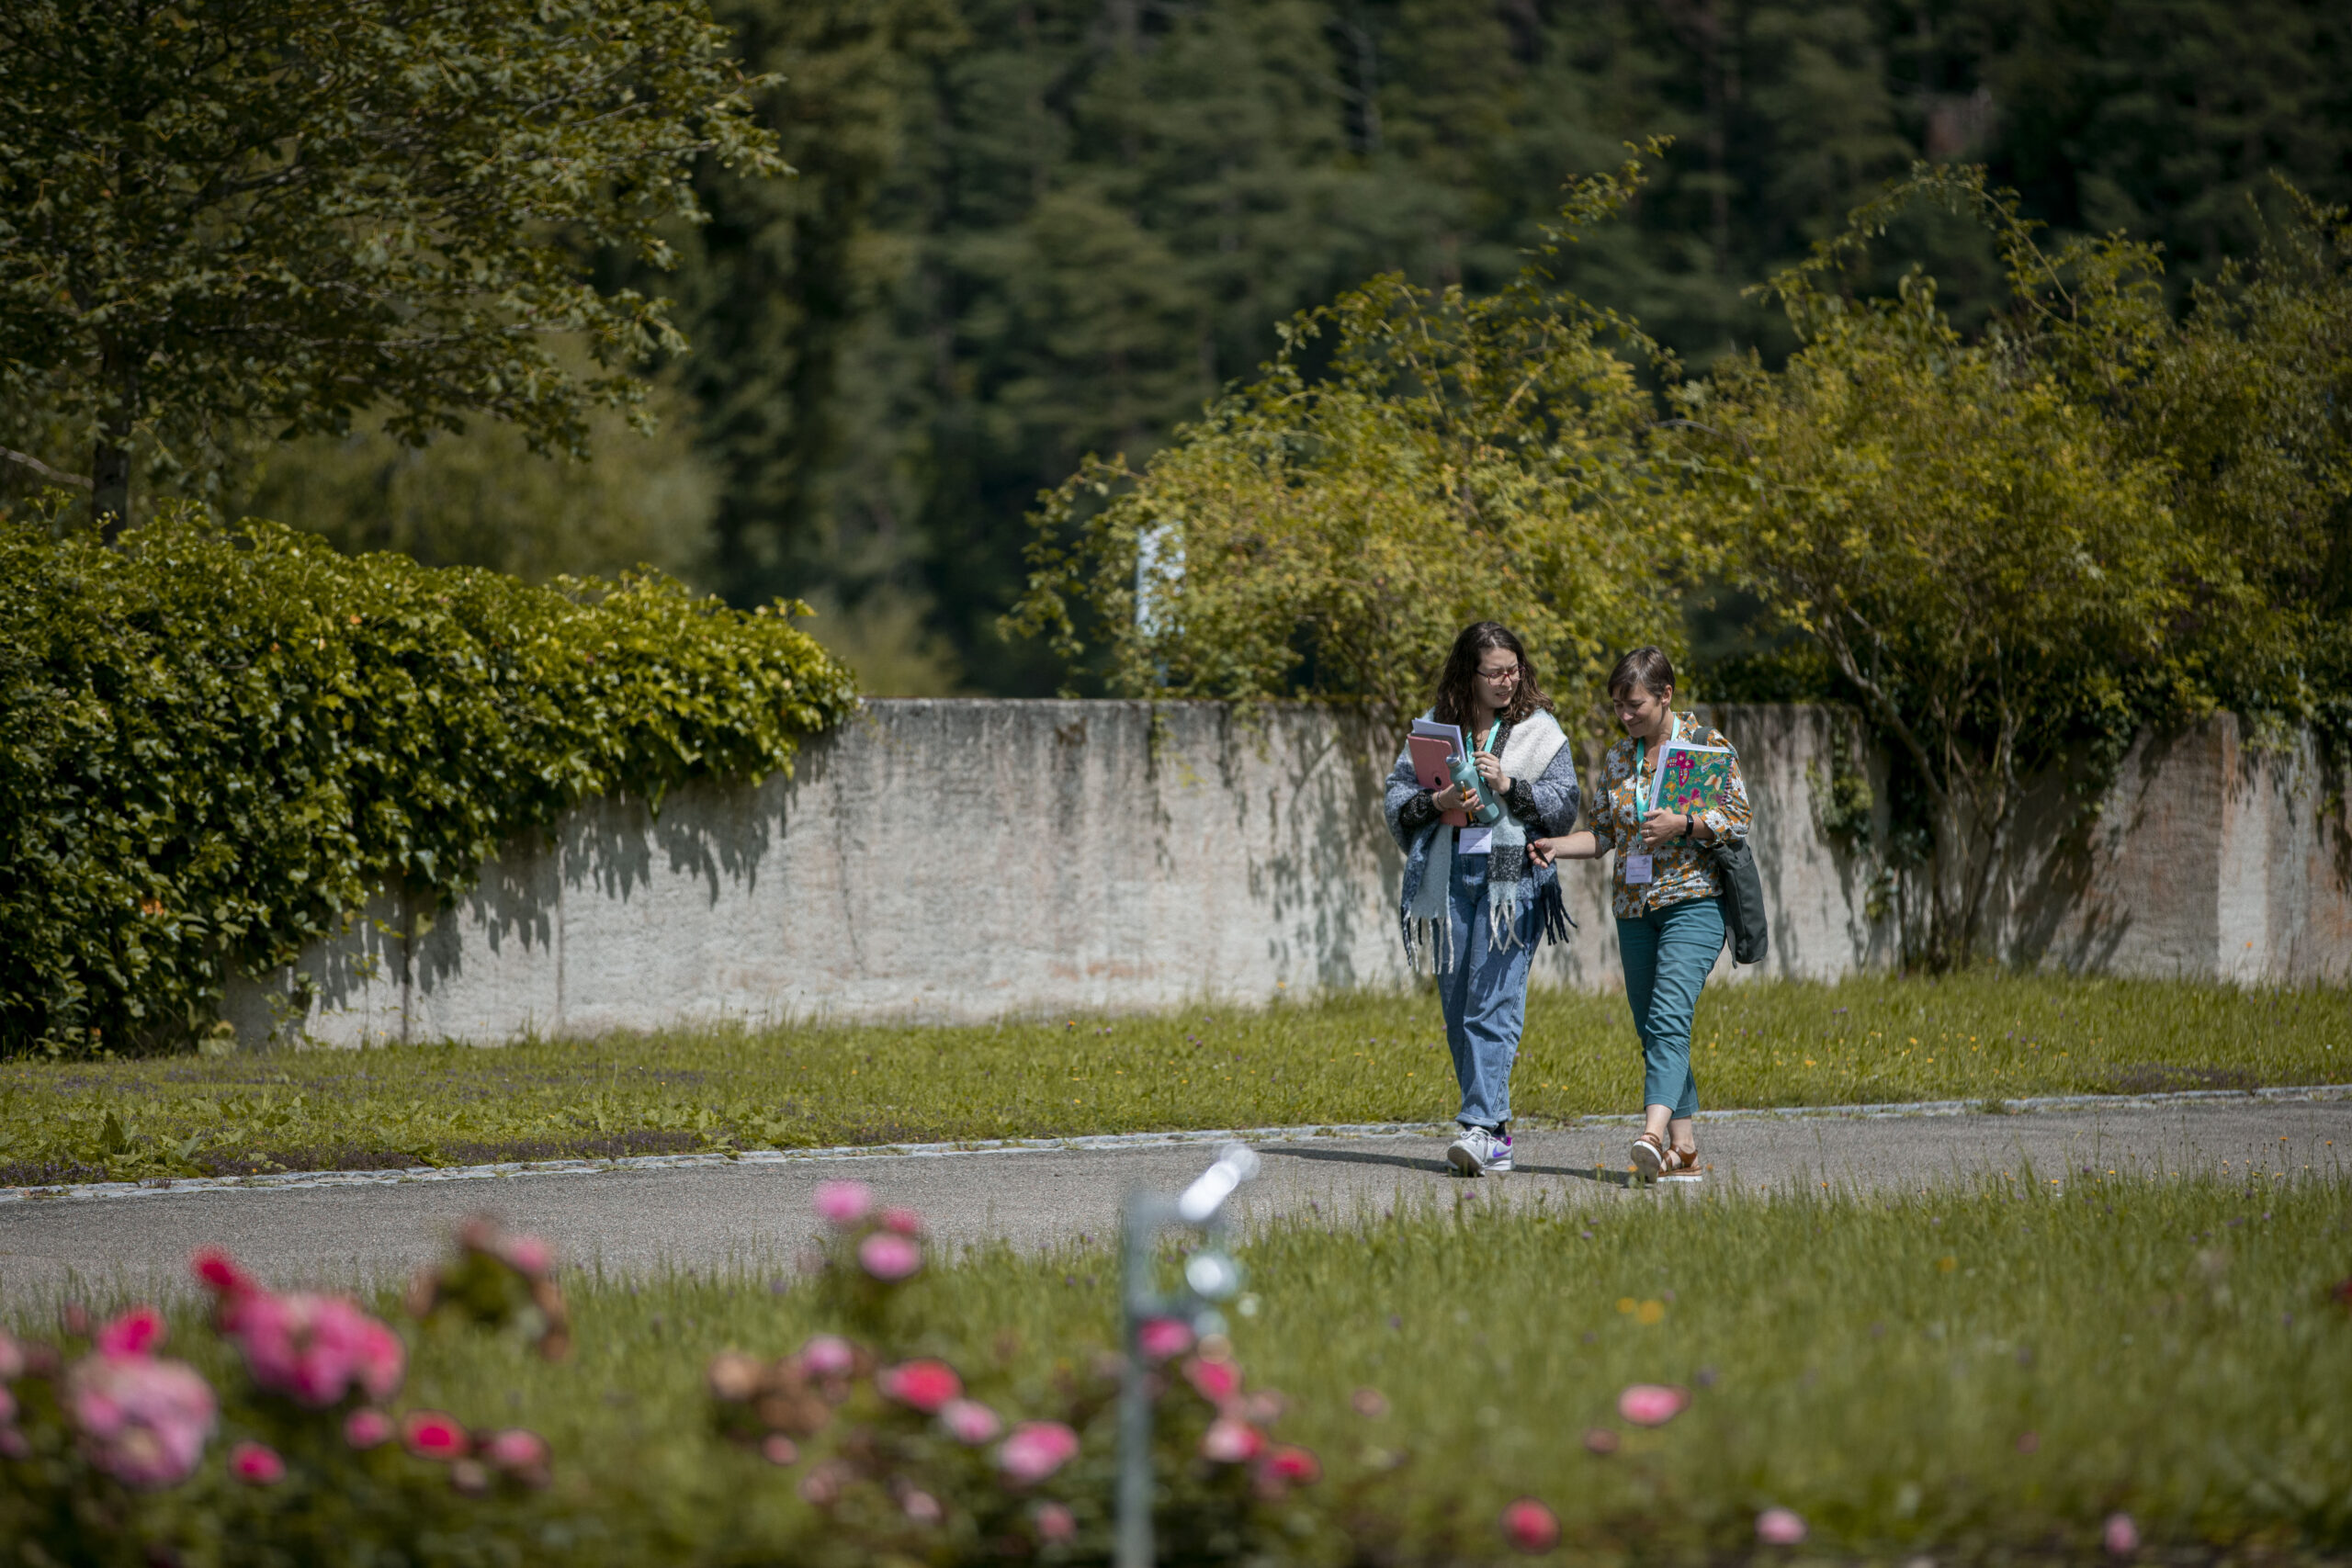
x=1439, y=1167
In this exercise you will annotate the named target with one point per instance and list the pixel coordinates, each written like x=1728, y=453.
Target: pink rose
x=1292, y=1465
x=921, y=1508
x=844, y=1203
x=470, y=1476
x=141, y=1420
x=366, y=1428
x=316, y=1350
x=135, y=1332
x=902, y=1222
x=1531, y=1527
x=969, y=1422
x=2121, y=1536
x=1054, y=1522
x=257, y=1464
x=920, y=1385
x=1161, y=1338
x=777, y=1449
x=1780, y=1527
x=828, y=1356
x=430, y=1434
x=1216, y=1380
x=1034, y=1451
x=888, y=1258
x=1230, y=1440
x=515, y=1449
x=1652, y=1405
x=218, y=1272
x=530, y=1255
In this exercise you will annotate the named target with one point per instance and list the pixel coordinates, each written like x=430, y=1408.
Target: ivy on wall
x=214, y=747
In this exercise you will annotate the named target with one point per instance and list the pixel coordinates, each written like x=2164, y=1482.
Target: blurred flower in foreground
x=1292, y=1465
x=1231, y=1440
x=844, y=1203
x=777, y=1449
x=142, y=1420
x=257, y=1464
x=1531, y=1527
x=1217, y=1381
x=1600, y=1439
x=1161, y=1338
x=969, y=1422
x=1369, y=1403
x=1780, y=1527
x=520, y=1452
x=828, y=1356
x=429, y=1434
x=2121, y=1535
x=1054, y=1522
x=1034, y=1451
x=901, y=1221
x=920, y=1385
x=501, y=1281
x=365, y=1428
x=1651, y=1404
x=888, y=1257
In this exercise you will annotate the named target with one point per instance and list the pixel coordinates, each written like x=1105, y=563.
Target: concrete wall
x=959, y=860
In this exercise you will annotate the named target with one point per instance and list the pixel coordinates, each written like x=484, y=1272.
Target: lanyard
x=1641, y=801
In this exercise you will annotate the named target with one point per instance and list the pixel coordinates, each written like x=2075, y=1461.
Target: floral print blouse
x=1681, y=868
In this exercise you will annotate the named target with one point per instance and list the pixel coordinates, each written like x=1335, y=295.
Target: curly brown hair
x=1456, y=702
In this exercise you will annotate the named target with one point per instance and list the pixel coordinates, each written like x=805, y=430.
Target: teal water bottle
x=1465, y=773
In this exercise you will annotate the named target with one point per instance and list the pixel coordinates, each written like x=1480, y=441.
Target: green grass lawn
x=1359, y=1058
x=1984, y=1374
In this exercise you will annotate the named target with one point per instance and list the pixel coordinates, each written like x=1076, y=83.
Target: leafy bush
x=214, y=748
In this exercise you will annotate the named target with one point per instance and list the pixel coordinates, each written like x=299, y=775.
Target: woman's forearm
x=1579, y=845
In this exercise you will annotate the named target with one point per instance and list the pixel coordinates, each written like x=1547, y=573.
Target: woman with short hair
x=1666, y=892
x=1473, y=898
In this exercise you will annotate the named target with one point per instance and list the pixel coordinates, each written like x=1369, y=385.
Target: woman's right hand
x=1454, y=797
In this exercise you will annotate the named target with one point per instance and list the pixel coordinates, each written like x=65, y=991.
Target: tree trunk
x=111, y=488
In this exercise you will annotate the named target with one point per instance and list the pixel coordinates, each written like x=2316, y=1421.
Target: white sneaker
x=1479, y=1152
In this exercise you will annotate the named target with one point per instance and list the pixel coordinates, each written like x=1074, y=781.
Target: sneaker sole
x=1463, y=1160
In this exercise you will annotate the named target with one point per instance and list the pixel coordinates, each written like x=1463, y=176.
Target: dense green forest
x=1027, y=230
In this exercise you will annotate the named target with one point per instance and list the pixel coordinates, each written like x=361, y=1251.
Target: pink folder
x=1431, y=766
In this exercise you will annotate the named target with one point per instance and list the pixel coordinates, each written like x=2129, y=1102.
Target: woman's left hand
x=1659, y=827
x=1490, y=768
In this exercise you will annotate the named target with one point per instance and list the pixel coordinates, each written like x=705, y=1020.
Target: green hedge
x=215, y=746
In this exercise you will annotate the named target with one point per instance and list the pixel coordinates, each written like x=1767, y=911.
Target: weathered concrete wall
x=965, y=860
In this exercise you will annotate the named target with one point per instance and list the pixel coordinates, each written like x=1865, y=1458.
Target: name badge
x=1476, y=840
x=1637, y=869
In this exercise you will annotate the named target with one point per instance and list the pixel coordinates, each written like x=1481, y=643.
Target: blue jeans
x=1667, y=953
x=1484, y=996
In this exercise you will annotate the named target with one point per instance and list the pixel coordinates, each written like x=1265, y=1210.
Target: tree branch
x=44, y=469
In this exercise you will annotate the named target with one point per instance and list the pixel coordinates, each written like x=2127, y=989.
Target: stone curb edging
x=1100, y=1141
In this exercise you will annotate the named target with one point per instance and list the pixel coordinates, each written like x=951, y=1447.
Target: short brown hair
x=1647, y=667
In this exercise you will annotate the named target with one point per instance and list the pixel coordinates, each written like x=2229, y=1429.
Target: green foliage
x=1459, y=459
x=217, y=215
x=216, y=748
x=1356, y=1058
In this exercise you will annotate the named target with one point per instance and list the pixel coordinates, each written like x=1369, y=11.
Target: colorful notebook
x=1433, y=766
x=1693, y=780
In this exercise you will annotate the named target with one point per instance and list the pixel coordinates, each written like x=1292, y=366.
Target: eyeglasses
x=1507, y=674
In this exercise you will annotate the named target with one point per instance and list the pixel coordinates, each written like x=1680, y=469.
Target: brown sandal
x=1682, y=1165
x=1652, y=1158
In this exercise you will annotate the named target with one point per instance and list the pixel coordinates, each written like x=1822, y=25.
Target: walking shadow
x=1439, y=1167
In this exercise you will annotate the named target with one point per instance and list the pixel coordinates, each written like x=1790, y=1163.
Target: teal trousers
x=1667, y=953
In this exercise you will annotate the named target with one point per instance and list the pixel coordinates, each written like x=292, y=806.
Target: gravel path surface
x=756, y=1214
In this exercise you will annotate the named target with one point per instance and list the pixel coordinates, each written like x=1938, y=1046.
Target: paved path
x=756, y=1216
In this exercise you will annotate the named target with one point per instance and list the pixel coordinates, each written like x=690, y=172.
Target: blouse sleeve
x=1731, y=817
x=1604, y=814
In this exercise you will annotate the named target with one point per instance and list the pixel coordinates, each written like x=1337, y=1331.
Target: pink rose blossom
x=2122, y=1536
x=920, y=1385
x=1034, y=1451
x=141, y=1420
x=470, y=1476
x=888, y=1258
x=430, y=1434
x=1531, y=1527
x=921, y=1508
x=1216, y=1380
x=1230, y=1440
x=1161, y=1338
x=1780, y=1527
x=257, y=1464
x=1054, y=1522
x=902, y=1222
x=844, y=1203
x=218, y=1272
x=530, y=1255
x=969, y=1422
x=366, y=1428
x=1296, y=1466
x=828, y=1356
x=134, y=1333
x=516, y=1448
x=316, y=1350
x=1652, y=1405
x=777, y=1449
